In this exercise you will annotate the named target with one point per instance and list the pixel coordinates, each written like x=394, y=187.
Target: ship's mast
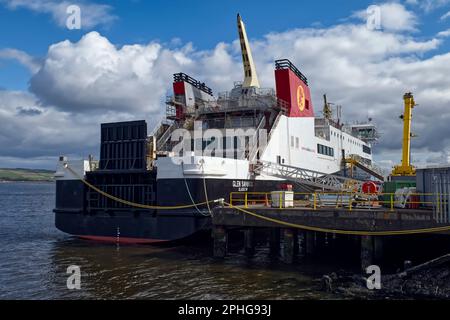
x=251, y=79
x=327, y=112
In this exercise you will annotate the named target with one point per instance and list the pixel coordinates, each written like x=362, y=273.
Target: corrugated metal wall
x=434, y=184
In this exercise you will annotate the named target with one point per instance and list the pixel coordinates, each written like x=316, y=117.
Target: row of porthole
x=349, y=140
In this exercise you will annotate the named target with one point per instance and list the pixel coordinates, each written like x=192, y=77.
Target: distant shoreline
x=26, y=175
x=24, y=181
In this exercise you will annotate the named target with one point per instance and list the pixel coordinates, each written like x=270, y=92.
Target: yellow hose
x=280, y=222
x=133, y=204
x=345, y=232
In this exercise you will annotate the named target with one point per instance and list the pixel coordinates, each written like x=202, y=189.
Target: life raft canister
x=369, y=187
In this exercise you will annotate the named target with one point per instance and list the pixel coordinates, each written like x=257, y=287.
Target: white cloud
x=393, y=17
x=30, y=130
x=33, y=64
x=445, y=16
x=428, y=5
x=92, y=14
x=91, y=81
x=93, y=74
x=444, y=34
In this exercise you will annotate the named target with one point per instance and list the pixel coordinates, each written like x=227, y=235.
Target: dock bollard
x=266, y=200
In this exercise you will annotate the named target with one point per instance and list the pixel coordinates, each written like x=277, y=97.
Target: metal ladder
x=307, y=177
x=165, y=136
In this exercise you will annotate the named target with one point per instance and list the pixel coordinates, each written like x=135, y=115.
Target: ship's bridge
x=365, y=131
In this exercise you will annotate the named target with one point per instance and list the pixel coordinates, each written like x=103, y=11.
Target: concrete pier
x=220, y=239
x=289, y=245
x=310, y=245
x=249, y=242
x=274, y=242
x=367, y=252
x=301, y=243
x=297, y=241
x=378, y=244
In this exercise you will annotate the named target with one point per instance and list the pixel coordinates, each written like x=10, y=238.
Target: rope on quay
x=276, y=221
x=133, y=204
x=343, y=232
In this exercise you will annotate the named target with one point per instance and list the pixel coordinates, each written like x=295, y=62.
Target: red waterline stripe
x=122, y=239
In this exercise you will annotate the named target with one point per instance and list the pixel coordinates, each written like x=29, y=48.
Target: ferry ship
x=191, y=157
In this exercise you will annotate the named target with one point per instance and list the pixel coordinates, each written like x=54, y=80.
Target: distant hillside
x=26, y=175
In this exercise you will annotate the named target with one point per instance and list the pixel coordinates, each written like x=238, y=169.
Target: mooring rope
x=256, y=215
x=133, y=204
x=338, y=231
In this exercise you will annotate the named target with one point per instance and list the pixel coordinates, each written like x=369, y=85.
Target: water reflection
x=35, y=256
x=110, y=271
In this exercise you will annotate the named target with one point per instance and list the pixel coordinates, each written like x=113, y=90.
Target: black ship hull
x=102, y=219
x=123, y=172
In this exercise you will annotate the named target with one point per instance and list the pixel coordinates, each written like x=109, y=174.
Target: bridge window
x=327, y=151
x=367, y=150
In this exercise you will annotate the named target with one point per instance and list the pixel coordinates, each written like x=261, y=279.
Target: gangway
x=307, y=177
x=373, y=171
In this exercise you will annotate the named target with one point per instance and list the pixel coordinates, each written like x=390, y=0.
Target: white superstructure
x=294, y=135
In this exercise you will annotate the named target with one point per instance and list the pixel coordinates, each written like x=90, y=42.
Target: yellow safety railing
x=445, y=228
x=318, y=199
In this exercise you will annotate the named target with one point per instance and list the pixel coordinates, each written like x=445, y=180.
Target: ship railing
x=166, y=135
x=266, y=99
x=256, y=142
x=178, y=77
x=160, y=123
x=260, y=147
x=344, y=200
x=354, y=158
x=286, y=64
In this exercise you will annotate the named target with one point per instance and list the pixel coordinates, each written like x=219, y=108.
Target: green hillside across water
x=26, y=175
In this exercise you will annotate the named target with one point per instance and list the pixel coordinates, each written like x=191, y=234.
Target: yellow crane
x=406, y=169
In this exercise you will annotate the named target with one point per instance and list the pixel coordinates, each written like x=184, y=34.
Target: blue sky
x=204, y=23
x=57, y=85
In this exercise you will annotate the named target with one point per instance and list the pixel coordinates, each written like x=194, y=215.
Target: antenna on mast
x=327, y=112
x=251, y=79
